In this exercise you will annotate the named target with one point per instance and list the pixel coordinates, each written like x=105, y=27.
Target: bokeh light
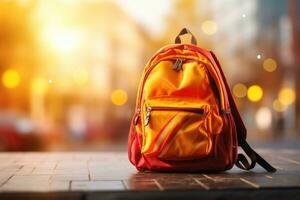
x=287, y=96
x=39, y=85
x=209, y=27
x=255, y=93
x=270, y=65
x=278, y=106
x=64, y=66
x=240, y=90
x=263, y=118
x=119, y=97
x=258, y=56
x=11, y=78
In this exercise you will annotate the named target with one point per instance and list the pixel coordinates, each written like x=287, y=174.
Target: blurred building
x=71, y=67
x=254, y=43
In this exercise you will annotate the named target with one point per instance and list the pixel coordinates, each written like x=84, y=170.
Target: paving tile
x=93, y=171
x=70, y=177
x=71, y=165
x=97, y=185
x=42, y=172
x=4, y=177
x=141, y=185
x=24, y=188
x=178, y=184
x=28, y=185
x=59, y=186
x=46, y=165
x=110, y=175
x=26, y=170
x=10, y=168
x=275, y=180
x=83, y=171
x=29, y=178
x=224, y=183
x=227, y=175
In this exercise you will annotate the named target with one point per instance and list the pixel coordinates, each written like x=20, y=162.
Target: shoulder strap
x=242, y=161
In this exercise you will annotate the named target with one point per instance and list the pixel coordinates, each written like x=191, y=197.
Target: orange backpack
x=185, y=117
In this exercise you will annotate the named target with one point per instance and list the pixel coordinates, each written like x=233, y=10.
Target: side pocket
x=134, y=150
x=230, y=142
x=234, y=140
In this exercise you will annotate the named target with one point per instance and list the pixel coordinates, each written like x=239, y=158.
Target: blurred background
x=69, y=69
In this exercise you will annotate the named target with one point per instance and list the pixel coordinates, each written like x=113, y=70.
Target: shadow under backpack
x=185, y=117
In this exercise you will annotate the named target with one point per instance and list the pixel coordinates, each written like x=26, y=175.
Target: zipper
x=149, y=109
x=178, y=62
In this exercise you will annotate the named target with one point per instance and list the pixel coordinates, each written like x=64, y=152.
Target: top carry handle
x=183, y=32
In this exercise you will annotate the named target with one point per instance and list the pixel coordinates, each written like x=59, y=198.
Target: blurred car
x=18, y=133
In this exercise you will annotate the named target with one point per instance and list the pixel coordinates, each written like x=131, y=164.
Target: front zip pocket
x=176, y=132
x=164, y=108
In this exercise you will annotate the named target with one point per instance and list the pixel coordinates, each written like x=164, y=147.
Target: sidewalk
x=109, y=175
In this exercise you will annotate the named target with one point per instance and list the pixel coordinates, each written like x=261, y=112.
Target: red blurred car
x=17, y=133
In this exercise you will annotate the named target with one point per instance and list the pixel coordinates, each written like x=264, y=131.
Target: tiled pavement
x=110, y=175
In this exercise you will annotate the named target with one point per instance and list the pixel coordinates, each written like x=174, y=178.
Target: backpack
x=185, y=117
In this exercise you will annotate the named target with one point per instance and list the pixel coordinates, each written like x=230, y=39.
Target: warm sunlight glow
x=80, y=77
x=64, y=40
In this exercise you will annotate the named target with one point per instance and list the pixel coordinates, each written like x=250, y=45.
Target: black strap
x=183, y=32
x=243, y=163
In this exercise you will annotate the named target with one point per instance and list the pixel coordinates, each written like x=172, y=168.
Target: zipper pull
x=147, y=119
x=178, y=64
x=137, y=116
